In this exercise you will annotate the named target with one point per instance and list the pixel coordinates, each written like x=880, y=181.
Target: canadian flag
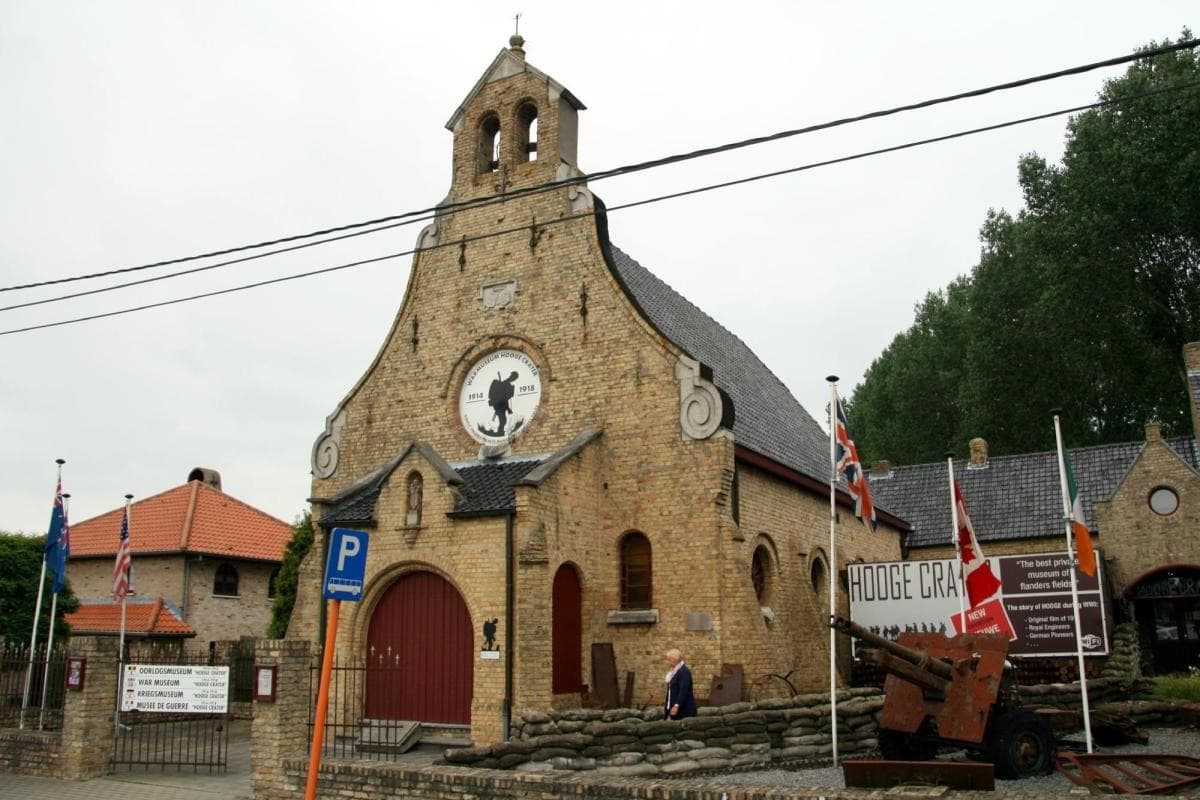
x=981, y=582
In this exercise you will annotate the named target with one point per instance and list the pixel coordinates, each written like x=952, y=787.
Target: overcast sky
x=137, y=132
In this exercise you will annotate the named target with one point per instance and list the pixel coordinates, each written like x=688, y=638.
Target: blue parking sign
x=346, y=565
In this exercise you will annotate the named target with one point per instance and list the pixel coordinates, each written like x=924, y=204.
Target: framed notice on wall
x=264, y=683
x=76, y=667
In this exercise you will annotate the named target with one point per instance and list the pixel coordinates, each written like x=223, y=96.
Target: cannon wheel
x=1020, y=744
x=900, y=746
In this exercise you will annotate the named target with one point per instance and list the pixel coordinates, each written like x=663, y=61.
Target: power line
x=409, y=217
x=624, y=206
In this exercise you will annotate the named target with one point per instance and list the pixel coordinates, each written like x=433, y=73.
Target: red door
x=566, y=643
x=419, y=648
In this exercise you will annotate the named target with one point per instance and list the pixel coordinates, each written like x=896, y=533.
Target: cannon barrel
x=917, y=658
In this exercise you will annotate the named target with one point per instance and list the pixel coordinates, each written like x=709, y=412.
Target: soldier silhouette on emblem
x=500, y=393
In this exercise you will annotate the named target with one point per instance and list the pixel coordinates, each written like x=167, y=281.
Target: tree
x=20, y=566
x=1083, y=300
x=289, y=576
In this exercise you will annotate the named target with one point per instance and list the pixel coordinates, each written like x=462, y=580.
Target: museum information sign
x=175, y=688
x=889, y=598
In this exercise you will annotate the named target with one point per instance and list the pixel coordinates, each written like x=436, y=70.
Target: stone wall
x=31, y=752
x=632, y=742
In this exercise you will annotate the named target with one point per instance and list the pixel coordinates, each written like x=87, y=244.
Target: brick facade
x=185, y=581
x=605, y=368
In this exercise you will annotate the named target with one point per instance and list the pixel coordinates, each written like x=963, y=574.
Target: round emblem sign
x=499, y=396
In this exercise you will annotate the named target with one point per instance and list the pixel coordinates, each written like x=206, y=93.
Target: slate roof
x=218, y=525
x=1014, y=497
x=488, y=486
x=767, y=418
x=143, y=617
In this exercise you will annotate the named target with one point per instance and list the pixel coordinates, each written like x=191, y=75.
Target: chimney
x=1191, y=362
x=206, y=475
x=979, y=453
x=881, y=469
x=1153, y=431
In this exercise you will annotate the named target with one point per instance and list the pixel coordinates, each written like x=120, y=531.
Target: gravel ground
x=1180, y=741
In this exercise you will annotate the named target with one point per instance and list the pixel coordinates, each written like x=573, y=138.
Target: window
x=760, y=567
x=818, y=576
x=1164, y=501
x=527, y=120
x=635, y=571
x=489, y=144
x=272, y=582
x=226, y=581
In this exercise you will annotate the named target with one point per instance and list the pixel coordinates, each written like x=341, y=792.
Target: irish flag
x=1079, y=529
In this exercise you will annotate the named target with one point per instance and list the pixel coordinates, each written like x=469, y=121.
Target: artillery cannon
x=953, y=691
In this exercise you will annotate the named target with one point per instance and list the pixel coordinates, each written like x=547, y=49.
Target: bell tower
x=517, y=128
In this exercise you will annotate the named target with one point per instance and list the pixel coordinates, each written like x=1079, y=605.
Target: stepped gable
x=767, y=418
x=1013, y=497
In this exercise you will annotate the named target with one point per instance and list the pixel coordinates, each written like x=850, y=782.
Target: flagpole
x=1067, y=518
x=37, y=612
x=962, y=580
x=833, y=400
x=121, y=645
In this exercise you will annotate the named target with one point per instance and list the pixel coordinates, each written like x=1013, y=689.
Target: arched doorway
x=566, y=640
x=419, y=653
x=1167, y=608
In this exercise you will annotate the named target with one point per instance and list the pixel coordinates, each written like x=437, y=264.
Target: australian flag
x=58, y=540
x=847, y=463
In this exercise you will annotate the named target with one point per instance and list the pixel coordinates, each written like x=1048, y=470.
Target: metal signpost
x=345, y=569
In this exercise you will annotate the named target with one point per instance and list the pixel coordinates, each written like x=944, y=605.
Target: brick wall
x=214, y=618
x=1135, y=537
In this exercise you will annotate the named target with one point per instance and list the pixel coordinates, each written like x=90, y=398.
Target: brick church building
x=554, y=450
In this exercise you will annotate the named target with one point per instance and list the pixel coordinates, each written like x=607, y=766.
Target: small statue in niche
x=489, y=634
x=415, y=490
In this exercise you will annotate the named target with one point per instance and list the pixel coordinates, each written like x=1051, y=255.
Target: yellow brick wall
x=1137, y=540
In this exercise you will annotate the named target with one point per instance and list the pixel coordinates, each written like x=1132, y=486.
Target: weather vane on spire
x=517, y=24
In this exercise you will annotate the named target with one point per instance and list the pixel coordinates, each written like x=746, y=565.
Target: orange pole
x=318, y=741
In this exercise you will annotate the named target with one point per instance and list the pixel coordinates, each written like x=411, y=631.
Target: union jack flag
x=121, y=569
x=847, y=463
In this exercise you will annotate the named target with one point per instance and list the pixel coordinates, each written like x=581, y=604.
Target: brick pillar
x=88, y=715
x=280, y=729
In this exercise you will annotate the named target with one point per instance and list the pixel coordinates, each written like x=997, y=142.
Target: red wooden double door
x=421, y=651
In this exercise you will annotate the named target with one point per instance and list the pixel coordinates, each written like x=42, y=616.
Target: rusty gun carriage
x=953, y=692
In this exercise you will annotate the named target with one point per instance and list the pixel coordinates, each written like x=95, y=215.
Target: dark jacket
x=679, y=692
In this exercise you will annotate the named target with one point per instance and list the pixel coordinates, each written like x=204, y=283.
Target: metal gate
x=173, y=740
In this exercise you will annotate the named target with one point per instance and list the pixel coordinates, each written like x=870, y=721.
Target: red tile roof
x=195, y=518
x=141, y=619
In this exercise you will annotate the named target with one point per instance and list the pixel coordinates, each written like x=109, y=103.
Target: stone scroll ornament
x=699, y=401
x=325, y=449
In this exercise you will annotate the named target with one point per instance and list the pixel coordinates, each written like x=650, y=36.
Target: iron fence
x=40, y=674
x=356, y=722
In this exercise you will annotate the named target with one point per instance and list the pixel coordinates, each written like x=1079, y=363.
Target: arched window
x=489, y=144
x=760, y=573
x=635, y=571
x=225, y=583
x=527, y=123
x=272, y=583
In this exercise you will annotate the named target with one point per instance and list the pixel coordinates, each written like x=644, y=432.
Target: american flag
x=124, y=562
x=847, y=463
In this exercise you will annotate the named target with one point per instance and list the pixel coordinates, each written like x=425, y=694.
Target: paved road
x=141, y=784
